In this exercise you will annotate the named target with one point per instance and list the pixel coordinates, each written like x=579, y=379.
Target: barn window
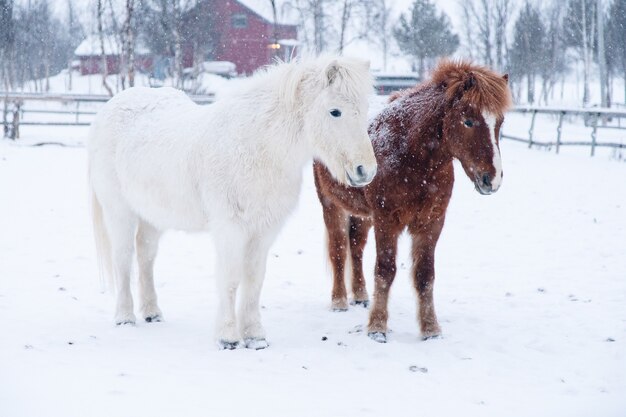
x=239, y=21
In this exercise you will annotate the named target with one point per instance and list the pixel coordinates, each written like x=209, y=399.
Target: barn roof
x=112, y=46
x=286, y=15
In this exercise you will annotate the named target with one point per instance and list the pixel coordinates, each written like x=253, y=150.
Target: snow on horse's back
x=158, y=161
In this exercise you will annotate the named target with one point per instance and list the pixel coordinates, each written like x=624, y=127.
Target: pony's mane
x=305, y=76
x=475, y=85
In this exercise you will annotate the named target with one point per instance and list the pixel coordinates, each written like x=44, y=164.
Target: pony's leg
x=121, y=225
x=336, y=226
x=230, y=270
x=147, y=243
x=424, y=243
x=359, y=229
x=249, y=313
x=387, y=233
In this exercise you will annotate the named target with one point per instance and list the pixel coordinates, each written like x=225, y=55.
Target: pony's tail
x=103, y=244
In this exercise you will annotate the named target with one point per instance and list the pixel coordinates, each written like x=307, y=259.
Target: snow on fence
x=55, y=110
x=594, y=118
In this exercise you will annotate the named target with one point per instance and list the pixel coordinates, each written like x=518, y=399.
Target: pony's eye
x=335, y=113
x=468, y=123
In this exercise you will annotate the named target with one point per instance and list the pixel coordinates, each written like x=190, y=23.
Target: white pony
x=158, y=161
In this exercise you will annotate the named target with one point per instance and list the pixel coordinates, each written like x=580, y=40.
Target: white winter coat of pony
x=158, y=161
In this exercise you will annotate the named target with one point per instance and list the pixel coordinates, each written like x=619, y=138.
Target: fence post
x=532, y=128
x=5, y=117
x=77, y=110
x=594, y=133
x=15, y=131
x=559, y=130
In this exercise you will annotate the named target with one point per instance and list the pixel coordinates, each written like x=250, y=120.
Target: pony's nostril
x=486, y=180
x=360, y=171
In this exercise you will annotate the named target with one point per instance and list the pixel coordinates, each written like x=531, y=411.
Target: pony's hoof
x=125, y=319
x=226, y=345
x=154, y=319
x=431, y=332
x=379, y=337
x=339, y=305
x=362, y=303
x=256, y=344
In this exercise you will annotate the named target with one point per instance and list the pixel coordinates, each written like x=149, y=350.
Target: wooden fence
x=596, y=118
x=14, y=108
x=73, y=105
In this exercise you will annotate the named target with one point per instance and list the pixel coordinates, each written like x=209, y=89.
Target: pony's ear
x=506, y=78
x=332, y=70
x=470, y=81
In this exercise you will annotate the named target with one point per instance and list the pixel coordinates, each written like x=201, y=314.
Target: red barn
x=245, y=33
x=89, y=53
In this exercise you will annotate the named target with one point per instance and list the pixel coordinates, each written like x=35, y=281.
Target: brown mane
x=476, y=85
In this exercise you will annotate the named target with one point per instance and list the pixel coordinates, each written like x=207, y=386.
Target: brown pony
x=456, y=114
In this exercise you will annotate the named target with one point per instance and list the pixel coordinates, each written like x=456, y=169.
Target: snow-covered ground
x=530, y=291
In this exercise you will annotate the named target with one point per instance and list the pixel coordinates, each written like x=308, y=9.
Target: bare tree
x=502, y=17
x=601, y=54
x=554, y=65
x=486, y=24
x=378, y=23
x=580, y=33
x=128, y=43
x=178, y=43
x=7, y=43
x=481, y=15
x=314, y=22
x=103, y=56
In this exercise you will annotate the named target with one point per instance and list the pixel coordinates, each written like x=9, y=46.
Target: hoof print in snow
x=125, y=323
x=415, y=368
x=154, y=319
x=225, y=345
x=609, y=339
x=61, y=288
x=256, y=344
x=362, y=303
x=324, y=338
x=541, y=289
x=356, y=329
x=379, y=337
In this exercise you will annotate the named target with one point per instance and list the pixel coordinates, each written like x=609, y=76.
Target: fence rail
x=14, y=109
x=596, y=118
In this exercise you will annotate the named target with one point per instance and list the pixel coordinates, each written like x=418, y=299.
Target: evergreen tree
x=527, y=53
x=425, y=34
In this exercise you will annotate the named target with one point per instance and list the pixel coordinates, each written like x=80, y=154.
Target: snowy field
x=530, y=292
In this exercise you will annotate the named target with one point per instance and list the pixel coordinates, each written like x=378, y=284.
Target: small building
x=89, y=55
x=245, y=33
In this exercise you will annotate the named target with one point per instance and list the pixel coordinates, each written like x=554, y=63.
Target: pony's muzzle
x=484, y=185
x=361, y=175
